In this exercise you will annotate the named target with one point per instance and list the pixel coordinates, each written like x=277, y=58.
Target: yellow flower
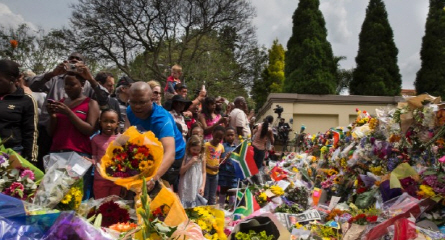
x=202, y=224
x=426, y=191
x=376, y=170
x=139, y=156
x=143, y=165
x=263, y=197
x=277, y=190
x=67, y=198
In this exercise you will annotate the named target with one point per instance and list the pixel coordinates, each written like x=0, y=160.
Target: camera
x=278, y=110
x=73, y=67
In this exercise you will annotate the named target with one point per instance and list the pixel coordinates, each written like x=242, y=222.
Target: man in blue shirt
x=148, y=116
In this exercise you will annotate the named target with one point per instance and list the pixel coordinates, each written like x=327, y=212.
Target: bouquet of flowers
x=70, y=226
x=131, y=157
x=17, y=182
x=210, y=220
x=263, y=194
x=112, y=212
x=18, y=177
x=72, y=200
x=59, y=179
x=433, y=181
x=161, y=217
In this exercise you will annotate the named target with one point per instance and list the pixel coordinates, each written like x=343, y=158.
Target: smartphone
x=51, y=101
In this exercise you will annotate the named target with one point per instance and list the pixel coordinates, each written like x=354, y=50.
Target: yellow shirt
x=213, y=156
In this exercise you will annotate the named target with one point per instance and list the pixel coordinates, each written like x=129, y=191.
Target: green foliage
x=377, y=72
x=310, y=67
x=36, y=50
x=431, y=76
x=213, y=41
x=276, y=67
x=272, y=76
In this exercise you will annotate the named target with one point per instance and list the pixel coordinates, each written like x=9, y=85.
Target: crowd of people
x=69, y=109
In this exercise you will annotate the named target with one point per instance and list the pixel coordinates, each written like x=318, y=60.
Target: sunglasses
x=156, y=92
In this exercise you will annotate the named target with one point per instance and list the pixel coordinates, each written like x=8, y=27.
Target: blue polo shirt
x=161, y=123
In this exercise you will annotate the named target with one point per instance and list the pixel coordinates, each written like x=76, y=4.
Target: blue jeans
x=210, y=189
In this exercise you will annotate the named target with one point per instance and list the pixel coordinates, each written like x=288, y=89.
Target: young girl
x=193, y=174
x=213, y=151
x=109, y=123
x=227, y=178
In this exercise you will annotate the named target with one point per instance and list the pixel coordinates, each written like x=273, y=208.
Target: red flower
x=361, y=190
x=112, y=214
x=360, y=216
x=371, y=219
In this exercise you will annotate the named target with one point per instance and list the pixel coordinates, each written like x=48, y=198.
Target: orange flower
x=123, y=227
x=14, y=43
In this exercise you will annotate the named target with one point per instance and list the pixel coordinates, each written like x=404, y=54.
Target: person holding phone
x=53, y=83
x=72, y=122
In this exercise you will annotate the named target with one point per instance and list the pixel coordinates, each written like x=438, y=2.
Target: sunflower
x=143, y=165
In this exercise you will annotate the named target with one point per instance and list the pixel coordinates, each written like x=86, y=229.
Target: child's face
x=217, y=137
x=230, y=136
x=109, y=122
x=198, y=132
x=176, y=73
x=195, y=150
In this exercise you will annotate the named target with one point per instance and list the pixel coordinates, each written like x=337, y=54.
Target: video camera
x=278, y=110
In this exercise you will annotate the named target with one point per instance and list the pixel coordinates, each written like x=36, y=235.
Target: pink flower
x=16, y=186
x=442, y=159
x=27, y=173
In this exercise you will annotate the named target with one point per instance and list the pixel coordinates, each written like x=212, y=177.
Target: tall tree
x=161, y=33
x=32, y=49
x=377, y=72
x=276, y=67
x=272, y=75
x=310, y=67
x=431, y=76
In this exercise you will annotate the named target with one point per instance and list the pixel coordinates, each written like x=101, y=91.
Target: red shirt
x=67, y=136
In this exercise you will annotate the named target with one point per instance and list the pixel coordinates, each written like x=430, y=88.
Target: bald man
x=148, y=116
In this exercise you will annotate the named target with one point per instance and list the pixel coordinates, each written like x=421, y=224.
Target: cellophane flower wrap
x=131, y=157
x=59, y=179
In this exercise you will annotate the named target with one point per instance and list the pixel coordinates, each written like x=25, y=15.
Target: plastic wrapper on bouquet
x=131, y=157
x=59, y=178
x=16, y=222
x=69, y=226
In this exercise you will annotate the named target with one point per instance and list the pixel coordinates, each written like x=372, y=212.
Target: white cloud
x=408, y=69
x=9, y=19
x=336, y=18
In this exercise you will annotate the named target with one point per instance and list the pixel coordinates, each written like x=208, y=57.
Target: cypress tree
x=276, y=67
x=309, y=61
x=377, y=72
x=431, y=76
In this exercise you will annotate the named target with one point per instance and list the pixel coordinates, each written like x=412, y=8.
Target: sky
x=273, y=20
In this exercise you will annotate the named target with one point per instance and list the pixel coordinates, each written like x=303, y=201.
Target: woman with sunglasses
x=156, y=89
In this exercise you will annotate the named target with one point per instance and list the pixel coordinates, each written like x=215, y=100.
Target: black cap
x=125, y=81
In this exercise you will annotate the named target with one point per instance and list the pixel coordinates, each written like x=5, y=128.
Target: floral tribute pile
x=381, y=177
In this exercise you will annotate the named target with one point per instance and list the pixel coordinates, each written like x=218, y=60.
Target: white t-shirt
x=238, y=118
